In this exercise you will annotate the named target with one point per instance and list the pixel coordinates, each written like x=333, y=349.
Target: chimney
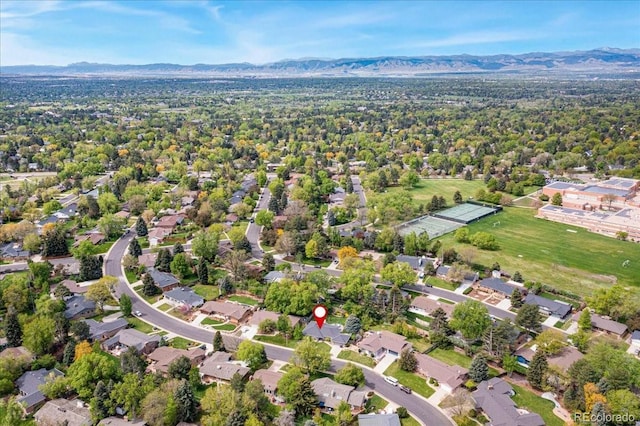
x=490, y=387
x=79, y=404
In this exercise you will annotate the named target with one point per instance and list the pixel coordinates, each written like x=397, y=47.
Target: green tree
x=39, y=334
x=407, y=361
x=439, y=323
x=125, y=305
x=399, y=273
x=163, y=261
x=13, y=329
x=350, y=375
x=479, y=370
x=205, y=244
x=40, y=275
x=181, y=265
x=343, y=414
x=203, y=271
x=134, y=248
x=54, y=243
x=141, y=227
x=131, y=391
x=516, y=298
x=32, y=243
x=509, y=363
x=149, y=286
x=297, y=392
x=11, y=412
x=69, y=352
x=179, y=368
x=556, y=199
x=51, y=206
x=457, y=197
x=529, y=317
x=551, y=341
x=311, y=357
x=187, y=406
x=462, y=235
x=484, y=240
x=252, y=353
x=265, y=218
x=584, y=322
x=90, y=268
x=623, y=402
x=100, y=405
x=80, y=330
x=132, y=362
x=352, y=324
x=85, y=373
x=268, y=262
x=517, y=277
x=111, y=225
x=218, y=344
x=100, y=292
x=537, y=370
x=471, y=318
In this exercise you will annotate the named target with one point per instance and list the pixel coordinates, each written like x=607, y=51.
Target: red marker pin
x=320, y=314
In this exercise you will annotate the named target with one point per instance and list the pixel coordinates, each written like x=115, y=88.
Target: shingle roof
x=384, y=340
x=331, y=394
x=185, y=296
x=274, y=276
x=443, y=373
x=605, y=324
x=554, y=308
x=130, y=337
x=60, y=410
x=162, y=279
x=635, y=335
x=494, y=398
x=268, y=378
x=231, y=310
x=98, y=329
x=29, y=384
x=498, y=285
x=328, y=331
x=221, y=370
x=262, y=315
x=77, y=305
x=378, y=420
x=165, y=355
x=429, y=305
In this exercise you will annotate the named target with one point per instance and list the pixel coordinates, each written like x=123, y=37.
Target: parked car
x=391, y=380
x=405, y=389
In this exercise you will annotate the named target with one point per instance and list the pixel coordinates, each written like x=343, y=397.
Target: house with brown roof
x=163, y=356
x=601, y=323
x=378, y=344
x=493, y=397
x=259, y=316
x=148, y=260
x=122, y=214
x=218, y=368
x=330, y=394
x=449, y=377
x=17, y=352
x=561, y=360
x=94, y=238
x=170, y=221
x=131, y=338
x=425, y=306
x=74, y=287
x=232, y=312
x=64, y=412
x=156, y=236
x=269, y=381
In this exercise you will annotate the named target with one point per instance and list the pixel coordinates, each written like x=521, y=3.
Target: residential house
x=148, y=260
x=117, y=421
x=549, y=307
x=232, y=312
x=600, y=323
x=67, y=212
x=328, y=331
x=381, y=343
x=442, y=271
x=131, y=338
x=156, y=236
x=63, y=412
x=218, y=368
x=28, y=385
x=170, y=221
x=330, y=394
x=416, y=262
x=164, y=280
x=426, y=306
x=634, y=348
x=449, y=377
x=74, y=287
x=13, y=252
x=494, y=285
x=274, y=277
x=378, y=420
x=49, y=219
x=122, y=214
x=561, y=360
x=493, y=397
x=183, y=296
x=79, y=307
x=163, y=356
x=259, y=316
x=94, y=237
x=17, y=352
x=101, y=331
x=187, y=201
x=269, y=381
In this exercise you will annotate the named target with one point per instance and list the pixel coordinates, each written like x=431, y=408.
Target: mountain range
x=604, y=61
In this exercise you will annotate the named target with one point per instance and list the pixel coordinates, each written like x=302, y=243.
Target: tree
x=551, y=341
x=537, y=369
x=163, y=261
x=459, y=402
x=159, y=407
x=509, y=363
x=187, y=406
x=529, y=318
x=54, y=243
x=556, y=199
x=297, y=392
x=479, y=370
x=399, y=273
x=100, y=292
x=517, y=277
x=352, y=324
x=141, y=227
x=100, y=404
x=90, y=268
x=471, y=318
x=134, y=248
x=484, y=240
x=311, y=249
x=439, y=323
x=82, y=349
x=218, y=344
x=149, y=286
x=311, y=357
x=69, y=352
x=343, y=414
x=108, y=203
x=623, y=401
x=181, y=265
x=584, y=322
x=32, y=243
x=407, y=361
x=457, y=197
x=592, y=396
x=130, y=393
x=205, y=245
x=86, y=372
x=265, y=218
x=39, y=334
x=132, y=362
x=125, y=305
x=268, y=262
x=13, y=329
x=347, y=252
x=516, y=298
x=203, y=271
x=252, y=353
x=350, y=375
x=179, y=368
x=111, y=225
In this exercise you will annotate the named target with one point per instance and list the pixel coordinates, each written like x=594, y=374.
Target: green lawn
x=149, y=299
x=277, y=340
x=544, y=251
x=225, y=327
x=211, y=321
x=181, y=343
x=427, y=188
x=243, y=299
x=416, y=383
x=131, y=276
x=531, y=402
x=215, y=274
x=140, y=325
x=409, y=421
x=208, y=292
x=376, y=403
x=451, y=357
x=440, y=283
x=165, y=307
x=102, y=248
x=317, y=262
x=332, y=319
x=356, y=357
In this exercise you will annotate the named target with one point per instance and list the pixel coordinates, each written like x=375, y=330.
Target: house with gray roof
x=495, y=285
x=13, y=251
x=493, y=397
x=330, y=394
x=131, y=338
x=183, y=296
x=218, y=368
x=28, y=385
x=378, y=420
x=64, y=412
x=164, y=280
x=100, y=331
x=450, y=377
x=549, y=307
x=79, y=307
x=416, y=262
x=274, y=276
x=609, y=326
x=380, y=343
x=269, y=381
x=328, y=331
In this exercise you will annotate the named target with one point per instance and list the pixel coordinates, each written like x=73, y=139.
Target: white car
x=138, y=313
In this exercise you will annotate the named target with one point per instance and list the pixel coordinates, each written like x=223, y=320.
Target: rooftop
x=559, y=309
x=498, y=285
x=328, y=331
x=386, y=340
x=184, y=295
x=494, y=398
x=98, y=329
x=162, y=279
x=378, y=420
x=64, y=411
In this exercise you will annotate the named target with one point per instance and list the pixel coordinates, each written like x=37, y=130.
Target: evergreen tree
x=537, y=369
x=349, y=185
x=407, y=361
x=243, y=244
x=599, y=415
x=516, y=298
x=177, y=248
x=457, y=197
x=225, y=284
x=218, y=343
x=141, y=227
x=203, y=271
x=468, y=175
x=352, y=325
x=439, y=323
x=517, y=277
x=187, y=406
x=90, y=268
x=132, y=362
x=54, y=243
x=69, y=352
x=479, y=370
x=529, y=317
x=584, y=322
x=100, y=403
x=163, y=261
x=268, y=262
x=273, y=205
x=149, y=286
x=13, y=329
x=237, y=383
x=282, y=203
x=134, y=248
x=331, y=218
x=179, y=368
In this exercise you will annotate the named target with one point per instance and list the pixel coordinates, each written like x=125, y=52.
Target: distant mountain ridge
x=597, y=61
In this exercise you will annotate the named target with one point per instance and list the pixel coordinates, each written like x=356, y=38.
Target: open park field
x=427, y=188
x=562, y=256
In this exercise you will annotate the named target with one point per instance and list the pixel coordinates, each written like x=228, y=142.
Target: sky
x=60, y=32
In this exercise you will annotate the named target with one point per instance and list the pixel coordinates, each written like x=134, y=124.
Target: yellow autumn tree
x=346, y=252
x=592, y=396
x=83, y=348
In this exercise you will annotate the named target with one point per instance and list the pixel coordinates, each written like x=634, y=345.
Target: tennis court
x=467, y=212
x=432, y=225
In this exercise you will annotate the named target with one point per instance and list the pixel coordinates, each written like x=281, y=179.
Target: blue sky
x=189, y=32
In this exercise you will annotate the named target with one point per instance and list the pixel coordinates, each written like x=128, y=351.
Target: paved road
x=253, y=230
x=426, y=413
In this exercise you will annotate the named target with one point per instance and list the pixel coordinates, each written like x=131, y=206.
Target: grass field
x=210, y=321
x=356, y=357
x=244, y=299
x=165, y=307
x=207, y=292
x=376, y=403
x=181, y=343
x=225, y=327
x=451, y=357
x=277, y=340
x=409, y=421
x=533, y=403
x=544, y=251
x=140, y=325
x=427, y=188
x=416, y=383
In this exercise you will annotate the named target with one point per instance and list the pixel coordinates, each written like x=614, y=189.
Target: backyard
x=531, y=402
x=356, y=357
